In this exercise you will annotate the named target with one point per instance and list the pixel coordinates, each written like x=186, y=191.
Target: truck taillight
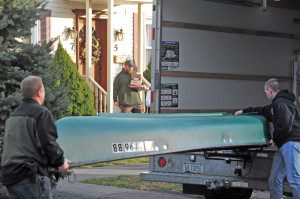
x=153, y=33
x=192, y=158
x=162, y=162
x=171, y=162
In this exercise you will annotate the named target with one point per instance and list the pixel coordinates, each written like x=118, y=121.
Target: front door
x=99, y=60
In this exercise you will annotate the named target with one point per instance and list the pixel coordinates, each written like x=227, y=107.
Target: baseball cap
x=129, y=63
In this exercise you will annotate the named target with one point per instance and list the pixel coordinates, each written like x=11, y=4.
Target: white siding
x=63, y=8
x=123, y=18
x=62, y=17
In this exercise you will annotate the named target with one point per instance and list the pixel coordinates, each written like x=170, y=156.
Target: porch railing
x=143, y=96
x=100, y=96
x=146, y=82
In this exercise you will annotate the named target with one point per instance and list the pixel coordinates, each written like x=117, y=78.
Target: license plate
x=192, y=167
x=240, y=184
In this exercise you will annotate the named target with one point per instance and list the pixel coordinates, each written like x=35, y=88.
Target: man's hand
x=239, y=112
x=145, y=87
x=65, y=165
x=271, y=143
x=116, y=104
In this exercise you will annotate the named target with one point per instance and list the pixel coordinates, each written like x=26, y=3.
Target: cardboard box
x=136, y=79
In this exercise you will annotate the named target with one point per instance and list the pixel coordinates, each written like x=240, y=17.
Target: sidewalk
x=79, y=190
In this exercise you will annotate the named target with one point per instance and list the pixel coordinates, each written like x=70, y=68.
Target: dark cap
x=129, y=63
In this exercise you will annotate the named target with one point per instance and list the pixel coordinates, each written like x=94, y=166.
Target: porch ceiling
x=118, y=2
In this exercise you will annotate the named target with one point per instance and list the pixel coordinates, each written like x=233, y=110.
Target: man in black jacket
x=30, y=145
x=285, y=116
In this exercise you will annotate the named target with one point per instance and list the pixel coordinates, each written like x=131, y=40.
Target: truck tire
x=232, y=193
x=288, y=194
x=194, y=189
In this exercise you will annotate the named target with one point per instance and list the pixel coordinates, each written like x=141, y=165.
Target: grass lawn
x=143, y=160
x=134, y=182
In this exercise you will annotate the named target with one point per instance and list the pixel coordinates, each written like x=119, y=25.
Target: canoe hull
x=98, y=139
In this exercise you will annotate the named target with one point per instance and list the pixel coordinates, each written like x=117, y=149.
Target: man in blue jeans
x=285, y=116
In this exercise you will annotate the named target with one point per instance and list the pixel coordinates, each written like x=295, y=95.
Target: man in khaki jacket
x=128, y=99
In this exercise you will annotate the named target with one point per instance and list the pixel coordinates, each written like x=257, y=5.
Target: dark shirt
x=285, y=116
x=30, y=136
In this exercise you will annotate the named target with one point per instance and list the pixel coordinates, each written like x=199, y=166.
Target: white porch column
x=140, y=58
x=110, y=33
x=88, y=44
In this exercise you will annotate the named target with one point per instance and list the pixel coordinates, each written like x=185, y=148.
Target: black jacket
x=285, y=116
x=30, y=136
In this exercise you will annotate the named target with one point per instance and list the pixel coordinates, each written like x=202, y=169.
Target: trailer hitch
x=216, y=184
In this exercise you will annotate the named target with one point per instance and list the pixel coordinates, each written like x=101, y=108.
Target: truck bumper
x=213, y=181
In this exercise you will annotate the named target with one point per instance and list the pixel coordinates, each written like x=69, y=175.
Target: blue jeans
x=286, y=162
x=25, y=189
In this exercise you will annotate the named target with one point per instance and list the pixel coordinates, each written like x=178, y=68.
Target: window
x=41, y=32
x=148, y=43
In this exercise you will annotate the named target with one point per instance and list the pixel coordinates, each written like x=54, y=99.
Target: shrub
x=77, y=94
x=147, y=72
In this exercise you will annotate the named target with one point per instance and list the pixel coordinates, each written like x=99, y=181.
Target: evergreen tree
x=147, y=72
x=78, y=92
x=17, y=59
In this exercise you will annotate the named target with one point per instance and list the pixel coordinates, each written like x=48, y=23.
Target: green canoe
x=162, y=115
x=98, y=139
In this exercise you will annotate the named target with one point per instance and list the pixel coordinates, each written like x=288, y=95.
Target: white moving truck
x=215, y=56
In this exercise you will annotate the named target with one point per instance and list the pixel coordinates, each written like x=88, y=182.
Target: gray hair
x=273, y=84
x=30, y=86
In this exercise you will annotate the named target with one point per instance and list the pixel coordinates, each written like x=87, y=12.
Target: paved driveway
x=81, y=190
